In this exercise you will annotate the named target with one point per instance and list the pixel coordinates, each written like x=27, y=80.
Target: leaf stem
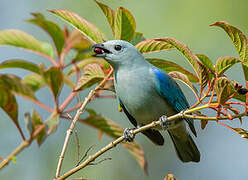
x=67, y=101
x=41, y=104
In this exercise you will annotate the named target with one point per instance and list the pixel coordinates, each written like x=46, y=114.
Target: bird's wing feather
x=169, y=89
x=152, y=134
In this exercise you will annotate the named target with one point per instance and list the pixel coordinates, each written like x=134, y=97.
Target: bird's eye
x=117, y=47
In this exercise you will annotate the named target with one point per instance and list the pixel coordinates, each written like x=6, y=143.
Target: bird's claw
x=164, y=123
x=128, y=135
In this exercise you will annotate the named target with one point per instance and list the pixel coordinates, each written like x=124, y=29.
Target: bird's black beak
x=100, y=50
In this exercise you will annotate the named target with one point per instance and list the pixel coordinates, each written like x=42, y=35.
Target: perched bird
x=147, y=93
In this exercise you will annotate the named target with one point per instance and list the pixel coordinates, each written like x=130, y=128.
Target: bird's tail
x=185, y=146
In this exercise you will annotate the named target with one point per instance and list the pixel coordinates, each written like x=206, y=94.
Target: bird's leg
x=128, y=135
x=164, y=123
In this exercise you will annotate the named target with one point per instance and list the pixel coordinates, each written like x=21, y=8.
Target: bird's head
x=117, y=52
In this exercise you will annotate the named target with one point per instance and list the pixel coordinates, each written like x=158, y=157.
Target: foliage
x=210, y=79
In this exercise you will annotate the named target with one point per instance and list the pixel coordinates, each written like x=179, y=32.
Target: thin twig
x=14, y=153
x=79, y=112
x=85, y=155
x=69, y=131
x=78, y=145
x=23, y=145
x=96, y=163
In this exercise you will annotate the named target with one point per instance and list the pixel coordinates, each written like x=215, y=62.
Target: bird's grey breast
x=136, y=89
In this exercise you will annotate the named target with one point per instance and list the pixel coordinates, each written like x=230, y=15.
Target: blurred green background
x=223, y=153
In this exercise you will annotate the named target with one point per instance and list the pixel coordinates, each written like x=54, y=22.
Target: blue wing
x=170, y=90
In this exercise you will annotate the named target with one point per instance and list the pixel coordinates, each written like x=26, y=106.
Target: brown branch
x=23, y=145
x=183, y=114
x=14, y=153
x=75, y=119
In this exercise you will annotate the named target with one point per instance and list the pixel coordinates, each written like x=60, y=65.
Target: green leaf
x=125, y=24
x=152, y=45
x=51, y=28
x=208, y=64
x=16, y=63
x=54, y=78
x=9, y=105
x=137, y=38
x=78, y=41
x=224, y=89
x=224, y=63
x=240, y=97
x=240, y=42
x=36, y=123
x=89, y=30
x=206, y=61
x=34, y=81
x=17, y=38
x=198, y=67
x=13, y=159
x=92, y=74
x=16, y=85
x=113, y=130
x=242, y=132
x=52, y=123
x=170, y=66
x=183, y=78
x=238, y=38
x=84, y=63
x=109, y=14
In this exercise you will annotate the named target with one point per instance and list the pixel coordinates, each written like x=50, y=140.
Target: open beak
x=100, y=51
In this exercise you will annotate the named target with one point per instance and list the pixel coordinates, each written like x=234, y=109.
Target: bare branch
x=79, y=112
x=85, y=154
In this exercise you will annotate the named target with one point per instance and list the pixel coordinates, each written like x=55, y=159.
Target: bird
x=146, y=94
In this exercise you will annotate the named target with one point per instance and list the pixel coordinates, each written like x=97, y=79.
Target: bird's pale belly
x=144, y=105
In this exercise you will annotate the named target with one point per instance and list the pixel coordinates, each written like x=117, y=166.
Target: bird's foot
x=128, y=134
x=164, y=123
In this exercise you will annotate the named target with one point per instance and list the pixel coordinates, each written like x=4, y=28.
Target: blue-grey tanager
x=146, y=94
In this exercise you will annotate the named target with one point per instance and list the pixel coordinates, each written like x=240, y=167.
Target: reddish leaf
x=224, y=89
x=152, y=45
x=240, y=42
x=89, y=30
x=183, y=78
x=16, y=85
x=170, y=66
x=9, y=105
x=81, y=65
x=224, y=63
x=198, y=67
x=92, y=74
